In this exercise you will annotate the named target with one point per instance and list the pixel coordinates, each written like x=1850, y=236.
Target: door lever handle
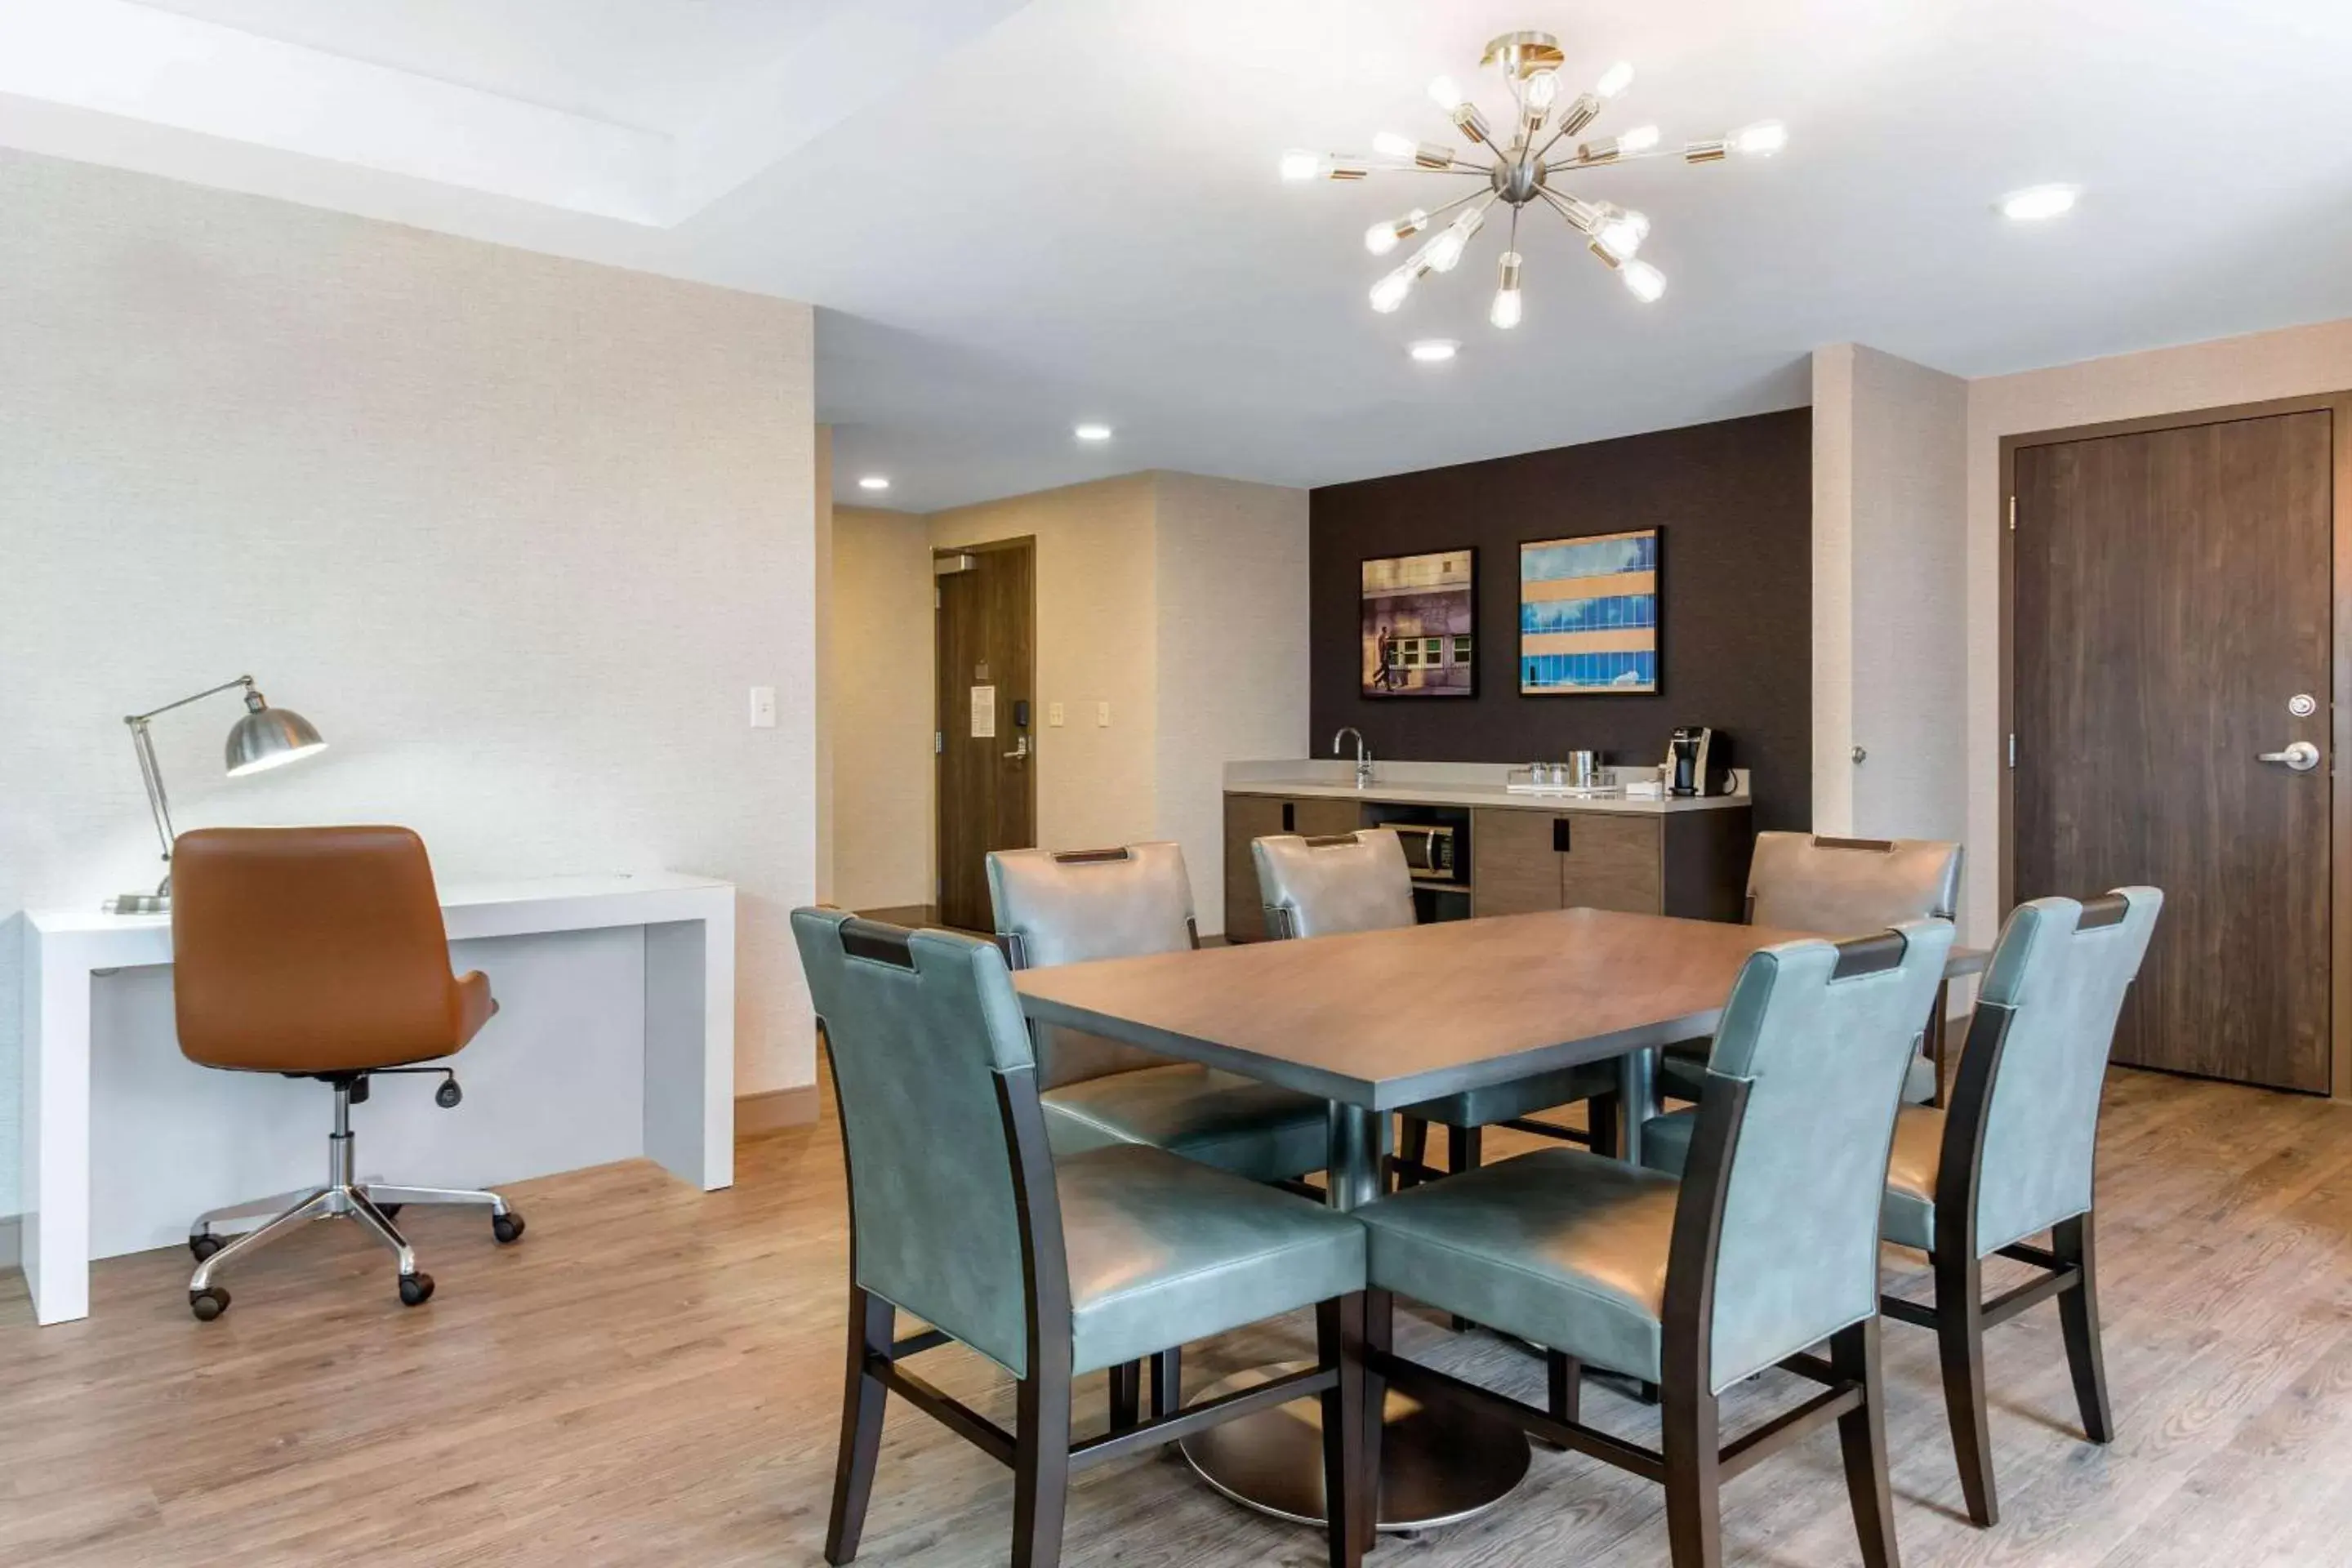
x=1020, y=749
x=2300, y=756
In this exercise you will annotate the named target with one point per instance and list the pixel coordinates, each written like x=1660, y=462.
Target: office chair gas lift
x=319, y=952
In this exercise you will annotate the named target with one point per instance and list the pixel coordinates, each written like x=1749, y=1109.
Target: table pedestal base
x=1438, y=1464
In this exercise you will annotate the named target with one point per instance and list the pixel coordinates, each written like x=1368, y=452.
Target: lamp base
x=157, y=903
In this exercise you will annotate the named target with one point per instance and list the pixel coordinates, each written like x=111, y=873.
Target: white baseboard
x=775, y=1110
x=12, y=1241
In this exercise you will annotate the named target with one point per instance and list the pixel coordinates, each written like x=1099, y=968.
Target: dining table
x=1373, y=1022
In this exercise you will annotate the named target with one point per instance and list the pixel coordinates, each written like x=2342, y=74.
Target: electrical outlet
x=763, y=707
x=1053, y=715
x=1102, y=715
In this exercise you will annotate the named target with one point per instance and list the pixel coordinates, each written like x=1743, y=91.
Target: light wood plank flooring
x=651, y=1377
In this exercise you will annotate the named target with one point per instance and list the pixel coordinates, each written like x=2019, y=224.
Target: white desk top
x=472, y=909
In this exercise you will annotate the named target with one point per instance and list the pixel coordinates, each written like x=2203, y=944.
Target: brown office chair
x=319, y=952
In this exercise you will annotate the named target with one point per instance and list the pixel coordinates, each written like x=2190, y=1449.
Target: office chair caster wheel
x=448, y=1095
x=205, y=1246
x=415, y=1290
x=506, y=1227
x=208, y=1304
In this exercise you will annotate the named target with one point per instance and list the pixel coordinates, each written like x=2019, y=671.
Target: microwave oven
x=1428, y=849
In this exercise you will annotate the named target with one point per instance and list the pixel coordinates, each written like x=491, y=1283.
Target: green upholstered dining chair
x=1059, y=907
x=1359, y=881
x=1049, y=1264
x=1842, y=887
x=1767, y=1246
x=2013, y=1155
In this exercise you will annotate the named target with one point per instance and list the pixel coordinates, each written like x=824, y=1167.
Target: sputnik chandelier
x=1523, y=172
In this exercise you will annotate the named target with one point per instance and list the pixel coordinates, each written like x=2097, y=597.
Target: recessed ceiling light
x=1433, y=351
x=2038, y=202
x=1092, y=432
x=874, y=482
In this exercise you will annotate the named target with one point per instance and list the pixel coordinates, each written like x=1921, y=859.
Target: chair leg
x=872, y=1321
x=1692, y=1431
x=1959, y=1339
x=1862, y=1434
x=2074, y=1241
x=1465, y=1146
x=1168, y=1381
x=1413, y=1152
x=1565, y=1375
x=1601, y=1116
x=1126, y=1395
x=1340, y=1342
x=1380, y=1338
x=1041, y=1467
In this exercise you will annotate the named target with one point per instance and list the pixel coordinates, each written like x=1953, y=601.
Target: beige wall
x=1889, y=626
x=880, y=703
x=1232, y=658
x=518, y=534
x=2297, y=361
x=1096, y=784
x=1179, y=600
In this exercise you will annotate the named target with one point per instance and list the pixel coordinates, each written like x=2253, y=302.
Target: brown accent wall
x=1735, y=500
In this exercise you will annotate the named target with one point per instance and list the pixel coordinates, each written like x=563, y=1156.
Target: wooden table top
x=1387, y=1018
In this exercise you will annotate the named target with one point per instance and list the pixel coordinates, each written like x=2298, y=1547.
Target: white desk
x=611, y=1042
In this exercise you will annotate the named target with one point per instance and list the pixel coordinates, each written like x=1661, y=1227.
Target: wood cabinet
x=1249, y=817
x=1693, y=863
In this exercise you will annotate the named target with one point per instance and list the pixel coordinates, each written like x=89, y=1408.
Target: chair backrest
x=927, y=1042
x=1067, y=906
x=2053, y=989
x=1819, y=1034
x=310, y=950
x=1846, y=887
x=1323, y=887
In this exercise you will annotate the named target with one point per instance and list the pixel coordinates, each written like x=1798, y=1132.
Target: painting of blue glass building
x=1588, y=614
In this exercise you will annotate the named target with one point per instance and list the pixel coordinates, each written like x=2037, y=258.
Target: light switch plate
x=763, y=707
x=1053, y=714
x=1102, y=714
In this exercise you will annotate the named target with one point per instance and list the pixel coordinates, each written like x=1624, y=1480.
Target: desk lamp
x=264, y=738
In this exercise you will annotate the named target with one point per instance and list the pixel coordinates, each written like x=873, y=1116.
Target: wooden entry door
x=987, y=781
x=2173, y=596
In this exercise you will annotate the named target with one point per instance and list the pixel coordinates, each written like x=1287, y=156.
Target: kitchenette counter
x=1453, y=784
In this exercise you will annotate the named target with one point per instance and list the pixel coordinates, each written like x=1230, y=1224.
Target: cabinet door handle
x=1560, y=835
x=1289, y=817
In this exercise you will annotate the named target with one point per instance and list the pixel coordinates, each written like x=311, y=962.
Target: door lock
x=2300, y=756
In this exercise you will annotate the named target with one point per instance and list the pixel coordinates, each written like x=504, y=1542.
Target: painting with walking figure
x=1418, y=623
x=1589, y=614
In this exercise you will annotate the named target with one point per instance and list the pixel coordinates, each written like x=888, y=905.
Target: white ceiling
x=1015, y=217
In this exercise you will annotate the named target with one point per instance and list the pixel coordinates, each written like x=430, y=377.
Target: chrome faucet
x=1363, y=755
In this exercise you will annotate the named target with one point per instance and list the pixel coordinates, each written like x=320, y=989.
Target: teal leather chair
x=1842, y=887
x=2012, y=1157
x=1767, y=1246
x=1051, y=1266
x=1359, y=881
x=1071, y=906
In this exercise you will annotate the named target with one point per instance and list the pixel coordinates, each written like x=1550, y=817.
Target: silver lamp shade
x=267, y=737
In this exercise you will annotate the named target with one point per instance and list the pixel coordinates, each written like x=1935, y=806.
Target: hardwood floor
x=651, y=1377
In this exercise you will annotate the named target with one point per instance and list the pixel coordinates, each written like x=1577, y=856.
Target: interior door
x=2172, y=599
x=987, y=782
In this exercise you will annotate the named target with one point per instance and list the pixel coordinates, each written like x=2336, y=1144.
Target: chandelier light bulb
x=1389, y=291
x=1444, y=250
x=1615, y=79
x=1505, y=312
x=1386, y=236
x=1301, y=165
x=1760, y=139
x=1389, y=144
x=1622, y=234
x=1641, y=139
x=1540, y=91
x=1643, y=282
x=1446, y=93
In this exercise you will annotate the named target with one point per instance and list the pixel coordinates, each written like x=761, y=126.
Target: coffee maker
x=1699, y=762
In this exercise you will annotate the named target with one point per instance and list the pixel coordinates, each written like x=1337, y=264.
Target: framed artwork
x=1589, y=614
x=1419, y=624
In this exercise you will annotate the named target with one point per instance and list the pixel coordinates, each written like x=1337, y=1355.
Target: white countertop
x=1448, y=783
